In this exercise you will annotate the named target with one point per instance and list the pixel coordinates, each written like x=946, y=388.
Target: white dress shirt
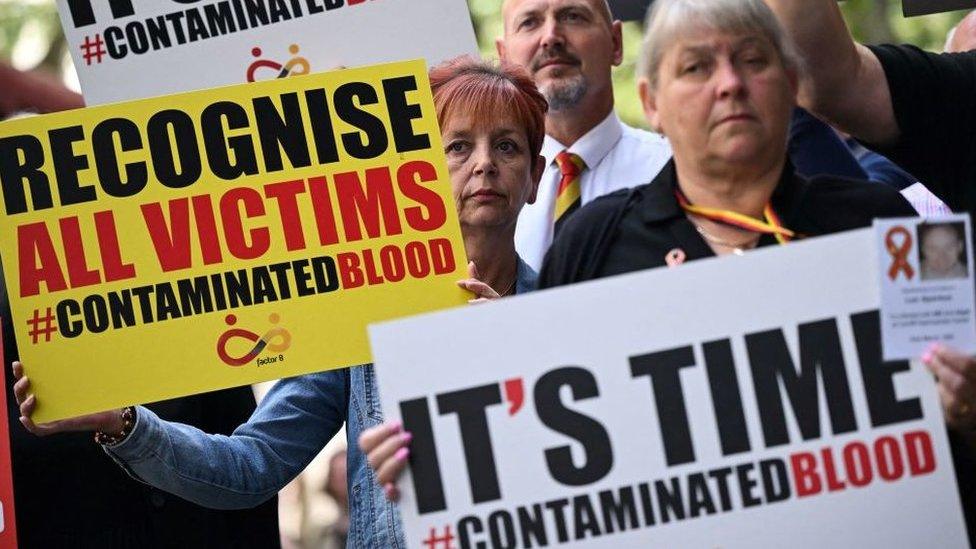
x=616, y=156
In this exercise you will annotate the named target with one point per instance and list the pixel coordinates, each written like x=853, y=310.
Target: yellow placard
x=180, y=244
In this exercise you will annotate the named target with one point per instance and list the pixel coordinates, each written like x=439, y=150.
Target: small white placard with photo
x=927, y=292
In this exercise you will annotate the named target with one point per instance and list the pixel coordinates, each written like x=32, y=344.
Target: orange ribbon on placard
x=899, y=252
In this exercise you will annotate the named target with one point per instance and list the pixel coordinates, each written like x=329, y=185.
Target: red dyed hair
x=483, y=89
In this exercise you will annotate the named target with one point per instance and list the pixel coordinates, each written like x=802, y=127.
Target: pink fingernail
x=396, y=426
x=406, y=437
x=402, y=454
x=927, y=357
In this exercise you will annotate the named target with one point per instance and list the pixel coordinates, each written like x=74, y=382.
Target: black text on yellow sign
x=191, y=216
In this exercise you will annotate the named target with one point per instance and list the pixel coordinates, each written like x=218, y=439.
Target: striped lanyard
x=771, y=225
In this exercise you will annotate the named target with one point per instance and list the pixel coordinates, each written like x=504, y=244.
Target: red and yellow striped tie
x=568, y=197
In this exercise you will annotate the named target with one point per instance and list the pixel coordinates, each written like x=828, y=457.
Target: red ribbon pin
x=899, y=252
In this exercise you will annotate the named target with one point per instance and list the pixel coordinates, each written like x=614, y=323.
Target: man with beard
x=570, y=48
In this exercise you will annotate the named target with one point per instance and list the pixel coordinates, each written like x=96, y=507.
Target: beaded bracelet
x=128, y=422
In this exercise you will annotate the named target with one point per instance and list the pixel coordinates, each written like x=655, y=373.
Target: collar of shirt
x=593, y=147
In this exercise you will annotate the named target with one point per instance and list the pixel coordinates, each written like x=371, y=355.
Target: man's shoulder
x=603, y=205
x=640, y=154
x=642, y=147
x=640, y=135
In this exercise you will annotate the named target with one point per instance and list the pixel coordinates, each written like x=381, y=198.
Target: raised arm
x=845, y=82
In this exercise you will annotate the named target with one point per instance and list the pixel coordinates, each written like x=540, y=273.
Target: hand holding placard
x=387, y=449
x=277, y=217
x=107, y=422
x=955, y=373
x=681, y=429
x=926, y=280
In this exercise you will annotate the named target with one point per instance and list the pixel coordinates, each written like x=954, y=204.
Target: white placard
x=132, y=49
x=673, y=408
x=925, y=272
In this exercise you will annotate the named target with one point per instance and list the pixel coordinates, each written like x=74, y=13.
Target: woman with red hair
x=492, y=122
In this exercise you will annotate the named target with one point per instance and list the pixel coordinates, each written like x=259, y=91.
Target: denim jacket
x=289, y=428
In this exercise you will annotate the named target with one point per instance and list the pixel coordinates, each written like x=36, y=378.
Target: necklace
x=737, y=248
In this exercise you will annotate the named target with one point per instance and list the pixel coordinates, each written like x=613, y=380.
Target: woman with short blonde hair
x=719, y=79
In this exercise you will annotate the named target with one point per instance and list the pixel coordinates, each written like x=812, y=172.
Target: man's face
x=941, y=248
x=569, y=47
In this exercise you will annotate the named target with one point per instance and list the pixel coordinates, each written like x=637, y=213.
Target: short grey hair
x=668, y=19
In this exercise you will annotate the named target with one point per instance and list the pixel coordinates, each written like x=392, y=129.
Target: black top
x=69, y=493
x=934, y=100
x=635, y=229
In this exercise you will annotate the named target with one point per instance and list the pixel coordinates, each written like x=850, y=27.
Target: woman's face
x=941, y=248
x=722, y=99
x=491, y=168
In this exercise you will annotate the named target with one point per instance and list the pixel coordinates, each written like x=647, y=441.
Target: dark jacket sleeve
x=107, y=507
x=578, y=250
x=816, y=149
x=850, y=204
x=882, y=170
x=934, y=101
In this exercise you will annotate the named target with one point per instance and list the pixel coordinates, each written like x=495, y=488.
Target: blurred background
x=312, y=507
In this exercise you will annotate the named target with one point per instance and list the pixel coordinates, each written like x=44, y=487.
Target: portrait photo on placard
x=942, y=250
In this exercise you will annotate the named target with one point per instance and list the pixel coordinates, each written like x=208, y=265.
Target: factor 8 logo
x=277, y=340
x=295, y=66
